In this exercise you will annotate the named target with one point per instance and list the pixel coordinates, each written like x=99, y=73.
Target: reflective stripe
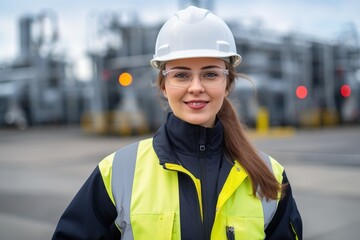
x=155, y=208
x=122, y=181
x=269, y=206
x=139, y=184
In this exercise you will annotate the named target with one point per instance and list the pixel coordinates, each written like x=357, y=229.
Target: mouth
x=196, y=104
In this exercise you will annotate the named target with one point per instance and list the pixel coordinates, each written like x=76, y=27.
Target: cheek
x=173, y=94
x=219, y=94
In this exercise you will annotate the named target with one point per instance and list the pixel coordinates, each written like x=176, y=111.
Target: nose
x=196, y=85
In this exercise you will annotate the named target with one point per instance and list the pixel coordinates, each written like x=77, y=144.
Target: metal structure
x=37, y=87
x=296, y=80
x=278, y=65
x=115, y=108
x=207, y=4
x=282, y=65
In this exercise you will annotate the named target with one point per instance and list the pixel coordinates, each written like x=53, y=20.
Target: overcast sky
x=322, y=18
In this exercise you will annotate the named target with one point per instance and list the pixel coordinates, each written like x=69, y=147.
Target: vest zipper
x=197, y=195
x=201, y=231
x=230, y=233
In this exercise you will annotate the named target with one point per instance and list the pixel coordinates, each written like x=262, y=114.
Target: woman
x=198, y=177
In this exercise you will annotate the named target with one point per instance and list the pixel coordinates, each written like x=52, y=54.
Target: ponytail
x=238, y=147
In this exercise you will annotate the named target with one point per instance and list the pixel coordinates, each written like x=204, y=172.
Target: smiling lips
x=196, y=104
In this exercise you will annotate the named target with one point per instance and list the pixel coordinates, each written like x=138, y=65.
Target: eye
x=211, y=74
x=181, y=75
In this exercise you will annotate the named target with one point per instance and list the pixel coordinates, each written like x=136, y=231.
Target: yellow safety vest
x=146, y=197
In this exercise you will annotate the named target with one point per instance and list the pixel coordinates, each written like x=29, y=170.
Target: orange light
x=345, y=90
x=301, y=92
x=125, y=79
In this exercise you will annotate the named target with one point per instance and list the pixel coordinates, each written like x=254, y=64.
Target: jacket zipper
x=202, y=149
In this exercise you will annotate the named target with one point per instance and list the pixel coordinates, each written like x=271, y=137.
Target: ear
x=164, y=92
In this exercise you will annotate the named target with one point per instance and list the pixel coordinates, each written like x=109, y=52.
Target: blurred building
x=296, y=80
x=38, y=86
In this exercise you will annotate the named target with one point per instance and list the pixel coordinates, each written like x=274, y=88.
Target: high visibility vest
x=146, y=197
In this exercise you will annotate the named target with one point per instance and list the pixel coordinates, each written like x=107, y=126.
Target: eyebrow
x=187, y=68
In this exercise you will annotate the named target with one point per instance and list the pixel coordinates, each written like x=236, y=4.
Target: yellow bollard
x=262, y=121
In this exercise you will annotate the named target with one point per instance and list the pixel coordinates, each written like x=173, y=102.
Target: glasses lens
x=183, y=77
x=212, y=77
x=179, y=78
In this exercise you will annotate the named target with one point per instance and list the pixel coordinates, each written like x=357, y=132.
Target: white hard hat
x=195, y=32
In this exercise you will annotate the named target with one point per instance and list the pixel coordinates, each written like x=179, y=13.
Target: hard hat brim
x=235, y=59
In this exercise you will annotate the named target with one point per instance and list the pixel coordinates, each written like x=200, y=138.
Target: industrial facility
x=38, y=87
x=296, y=80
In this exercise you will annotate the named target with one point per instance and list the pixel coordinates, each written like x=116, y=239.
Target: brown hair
x=237, y=146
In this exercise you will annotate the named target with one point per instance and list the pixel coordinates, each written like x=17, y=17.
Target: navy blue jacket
x=91, y=214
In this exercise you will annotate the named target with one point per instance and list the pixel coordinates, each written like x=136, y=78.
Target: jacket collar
x=178, y=135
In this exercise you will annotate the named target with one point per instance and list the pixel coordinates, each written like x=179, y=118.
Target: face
x=195, y=104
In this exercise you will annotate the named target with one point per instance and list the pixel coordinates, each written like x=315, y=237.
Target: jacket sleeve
x=286, y=223
x=90, y=215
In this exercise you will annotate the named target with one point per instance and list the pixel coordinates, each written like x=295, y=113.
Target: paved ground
x=41, y=170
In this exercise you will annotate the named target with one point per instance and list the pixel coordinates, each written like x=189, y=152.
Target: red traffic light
x=345, y=90
x=301, y=92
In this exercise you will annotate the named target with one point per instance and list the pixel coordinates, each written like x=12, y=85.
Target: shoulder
x=273, y=164
x=120, y=161
x=123, y=153
x=276, y=165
